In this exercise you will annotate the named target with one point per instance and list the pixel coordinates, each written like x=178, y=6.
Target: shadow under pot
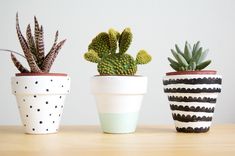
x=40, y=98
x=192, y=97
x=118, y=100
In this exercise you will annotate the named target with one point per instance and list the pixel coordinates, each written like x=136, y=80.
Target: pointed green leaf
x=179, y=58
x=182, y=68
x=196, y=56
x=203, y=65
x=196, y=48
x=178, y=50
x=189, y=48
x=203, y=56
x=173, y=62
x=176, y=68
x=187, y=53
x=194, y=66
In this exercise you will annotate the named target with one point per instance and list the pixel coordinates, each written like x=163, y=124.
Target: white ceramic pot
x=40, y=99
x=192, y=97
x=118, y=101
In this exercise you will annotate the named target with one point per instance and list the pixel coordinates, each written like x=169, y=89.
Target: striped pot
x=192, y=96
x=118, y=101
x=40, y=99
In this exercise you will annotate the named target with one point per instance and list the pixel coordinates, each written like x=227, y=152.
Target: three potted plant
x=191, y=91
x=118, y=91
x=40, y=94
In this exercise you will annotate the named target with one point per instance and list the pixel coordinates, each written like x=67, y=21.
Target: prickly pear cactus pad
x=103, y=51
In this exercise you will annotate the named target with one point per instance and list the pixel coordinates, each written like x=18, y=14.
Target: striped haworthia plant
x=34, y=51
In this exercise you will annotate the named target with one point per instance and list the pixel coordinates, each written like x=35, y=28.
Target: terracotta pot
x=118, y=100
x=40, y=99
x=192, y=96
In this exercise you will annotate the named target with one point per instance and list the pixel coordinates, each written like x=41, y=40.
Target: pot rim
x=40, y=74
x=200, y=72
x=119, y=76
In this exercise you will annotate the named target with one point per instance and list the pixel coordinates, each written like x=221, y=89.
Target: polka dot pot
x=118, y=101
x=40, y=101
x=192, y=98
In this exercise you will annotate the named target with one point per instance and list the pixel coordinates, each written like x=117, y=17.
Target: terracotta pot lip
x=41, y=74
x=119, y=76
x=201, y=72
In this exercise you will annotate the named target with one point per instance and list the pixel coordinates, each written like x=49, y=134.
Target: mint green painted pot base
x=118, y=122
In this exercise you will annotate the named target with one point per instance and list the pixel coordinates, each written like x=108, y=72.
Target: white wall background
x=157, y=25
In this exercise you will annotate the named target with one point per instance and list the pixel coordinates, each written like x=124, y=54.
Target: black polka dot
x=60, y=97
x=46, y=129
x=34, y=96
x=25, y=87
x=62, y=86
x=40, y=122
x=24, y=100
x=46, y=102
x=62, y=106
x=17, y=82
x=59, y=114
x=15, y=91
x=55, y=106
x=53, y=121
x=24, y=125
x=33, y=129
x=47, y=90
x=30, y=106
x=38, y=110
x=27, y=115
x=49, y=114
x=51, y=80
x=36, y=82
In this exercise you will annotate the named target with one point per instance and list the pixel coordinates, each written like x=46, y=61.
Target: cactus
x=102, y=50
x=33, y=48
x=190, y=59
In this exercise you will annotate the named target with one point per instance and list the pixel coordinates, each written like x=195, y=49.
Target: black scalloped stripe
x=193, y=130
x=192, y=108
x=192, y=90
x=210, y=80
x=191, y=99
x=189, y=118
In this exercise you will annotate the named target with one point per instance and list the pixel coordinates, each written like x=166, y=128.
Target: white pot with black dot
x=192, y=97
x=40, y=98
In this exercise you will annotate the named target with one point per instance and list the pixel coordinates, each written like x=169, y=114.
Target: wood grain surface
x=89, y=140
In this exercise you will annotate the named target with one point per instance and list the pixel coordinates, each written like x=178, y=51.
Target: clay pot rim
x=119, y=75
x=41, y=74
x=200, y=72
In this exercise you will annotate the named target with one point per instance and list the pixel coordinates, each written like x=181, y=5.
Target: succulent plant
x=33, y=48
x=102, y=50
x=190, y=59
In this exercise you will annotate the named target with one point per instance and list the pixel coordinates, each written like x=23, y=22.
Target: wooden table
x=89, y=140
